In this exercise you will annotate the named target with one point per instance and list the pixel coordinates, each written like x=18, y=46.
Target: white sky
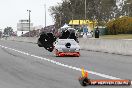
x=11, y=11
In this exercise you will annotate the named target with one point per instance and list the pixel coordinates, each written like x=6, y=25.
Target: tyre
x=39, y=44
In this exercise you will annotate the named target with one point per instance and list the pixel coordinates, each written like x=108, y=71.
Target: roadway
x=25, y=65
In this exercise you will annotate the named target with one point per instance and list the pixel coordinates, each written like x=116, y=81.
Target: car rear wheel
x=40, y=45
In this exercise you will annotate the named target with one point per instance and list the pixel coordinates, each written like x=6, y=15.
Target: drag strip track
x=17, y=72
x=62, y=70
x=60, y=64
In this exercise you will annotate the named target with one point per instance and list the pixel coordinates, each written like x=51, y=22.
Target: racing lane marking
x=61, y=64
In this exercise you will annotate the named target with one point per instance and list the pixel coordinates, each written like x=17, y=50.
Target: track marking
x=61, y=64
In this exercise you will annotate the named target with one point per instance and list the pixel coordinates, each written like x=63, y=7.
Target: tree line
x=8, y=31
x=100, y=10
x=122, y=25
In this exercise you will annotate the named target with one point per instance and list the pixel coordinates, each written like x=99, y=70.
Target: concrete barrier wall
x=117, y=46
x=24, y=39
x=107, y=45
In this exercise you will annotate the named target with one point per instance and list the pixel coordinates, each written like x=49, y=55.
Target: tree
x=124, y=8
x=121, y=25
x=99, y=10
x=8, y=31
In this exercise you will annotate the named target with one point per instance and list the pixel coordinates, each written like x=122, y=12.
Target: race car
x=47, y=39
x=66, y=47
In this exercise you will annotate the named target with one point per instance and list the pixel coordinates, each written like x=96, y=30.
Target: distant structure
x=0, y=30
x=37, y=27
x=23, y=26
x=81, y=23
x=0, y=33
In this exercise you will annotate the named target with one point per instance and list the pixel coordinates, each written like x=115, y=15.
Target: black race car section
x=47, y=39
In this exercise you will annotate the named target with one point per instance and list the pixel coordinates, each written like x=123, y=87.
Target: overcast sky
x=11, y=11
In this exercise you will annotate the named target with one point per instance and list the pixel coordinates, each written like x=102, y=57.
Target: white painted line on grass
x=61, y=64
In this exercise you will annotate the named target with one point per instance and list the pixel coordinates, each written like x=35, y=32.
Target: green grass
x=119, y=36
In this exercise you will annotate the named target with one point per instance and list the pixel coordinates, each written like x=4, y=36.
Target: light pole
x=29, y=21
x=22, y=29
x=60, y=18
x=45, y=13
x=72, y=13
x=85, y=9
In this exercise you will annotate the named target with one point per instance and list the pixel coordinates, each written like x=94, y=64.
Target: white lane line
x=61, y=64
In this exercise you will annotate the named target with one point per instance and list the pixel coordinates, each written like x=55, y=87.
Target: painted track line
x=61, y=64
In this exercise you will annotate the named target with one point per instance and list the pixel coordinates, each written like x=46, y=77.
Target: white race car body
x=66, y=47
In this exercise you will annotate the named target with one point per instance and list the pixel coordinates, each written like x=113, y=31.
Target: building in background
x=0, y=33
x=23, y=27
x=81, y=23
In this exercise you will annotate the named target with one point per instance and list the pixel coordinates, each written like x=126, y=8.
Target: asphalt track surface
x=25, y=65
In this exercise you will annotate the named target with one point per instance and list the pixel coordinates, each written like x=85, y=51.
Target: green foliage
x=8, y=31
x=100, y=10
x=121, y=25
